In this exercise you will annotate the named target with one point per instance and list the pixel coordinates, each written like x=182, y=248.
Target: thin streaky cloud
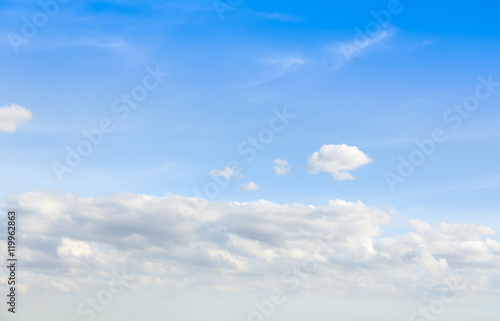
x=281, y=17
x=346, y=51
x=277, y=67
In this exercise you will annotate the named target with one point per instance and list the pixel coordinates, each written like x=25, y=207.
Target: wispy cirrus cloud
x=115, y=44
x=346, y=51
x=277, y=67
x=112, y=45
x=281, y=17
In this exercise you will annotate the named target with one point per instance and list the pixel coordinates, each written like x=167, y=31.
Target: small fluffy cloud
x=249, y=187
x=226, y=172
x=281, y=167
x=337, y=160
x=13, y=116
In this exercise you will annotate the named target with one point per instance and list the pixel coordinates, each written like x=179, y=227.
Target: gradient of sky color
x=227, y=79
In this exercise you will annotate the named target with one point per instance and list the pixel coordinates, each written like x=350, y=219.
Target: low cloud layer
x=166, y=243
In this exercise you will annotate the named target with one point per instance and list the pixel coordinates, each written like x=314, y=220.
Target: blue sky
x=91, y=53
x=227, y=79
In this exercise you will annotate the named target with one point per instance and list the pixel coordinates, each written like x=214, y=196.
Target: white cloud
x=13, y=116
x=72, y=248
x=281, y=167
x=226, y=172
x=249, y=187
x=337, y=160
x=230, y=245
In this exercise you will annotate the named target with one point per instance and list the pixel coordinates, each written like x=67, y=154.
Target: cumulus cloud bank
x=70, y=243
x=337, y=160
x=13, y=116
